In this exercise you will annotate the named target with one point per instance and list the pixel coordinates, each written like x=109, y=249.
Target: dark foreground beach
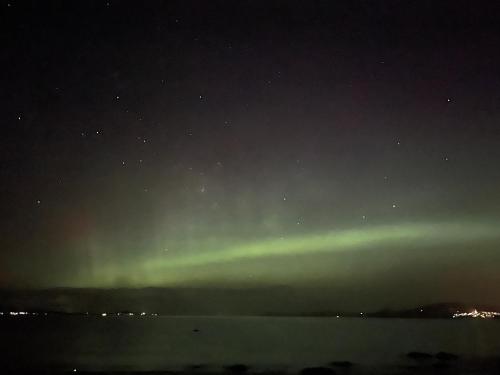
x=483, y=368
x=413, y=363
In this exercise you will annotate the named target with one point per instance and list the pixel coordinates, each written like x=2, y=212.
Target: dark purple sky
x=348, y=145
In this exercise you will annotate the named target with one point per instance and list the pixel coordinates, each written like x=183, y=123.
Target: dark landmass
x=276, y=302
x=164, y=301
x=434, y=311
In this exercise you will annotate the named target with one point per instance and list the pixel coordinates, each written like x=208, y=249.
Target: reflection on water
x=161, y=343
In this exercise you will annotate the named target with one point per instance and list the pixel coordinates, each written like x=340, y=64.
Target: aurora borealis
x=158, y=270
x=336, y=147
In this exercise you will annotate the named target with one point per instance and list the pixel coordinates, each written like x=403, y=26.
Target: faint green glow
x=164, y=269
x=332, y=242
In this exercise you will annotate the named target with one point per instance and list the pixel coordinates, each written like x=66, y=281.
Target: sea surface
x=167, y=343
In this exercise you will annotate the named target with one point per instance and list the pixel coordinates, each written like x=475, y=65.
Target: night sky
x=349, y=146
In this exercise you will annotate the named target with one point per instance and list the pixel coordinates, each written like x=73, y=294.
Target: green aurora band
x=177, y=268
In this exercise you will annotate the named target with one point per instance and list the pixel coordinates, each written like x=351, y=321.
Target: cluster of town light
x=16, y=313
x=25, y=313
x=477, y=314
x=127, y=314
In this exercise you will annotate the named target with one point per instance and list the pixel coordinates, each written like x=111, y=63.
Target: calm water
x=96, y=343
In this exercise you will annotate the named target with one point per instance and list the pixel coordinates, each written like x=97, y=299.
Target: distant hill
x=267, y=301
x=438, y=310
x=169, y=301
